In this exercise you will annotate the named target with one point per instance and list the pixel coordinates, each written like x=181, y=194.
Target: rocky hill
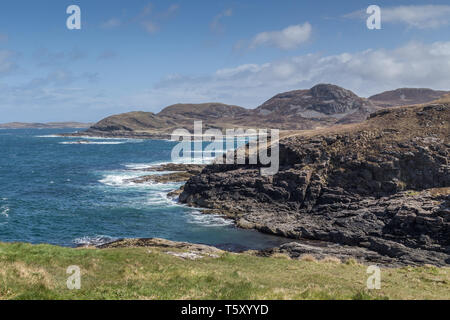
x=322, y=106
x=205, y=111
x=322, y=102
x=151, y=125
x=406, y=96
x=378, y=191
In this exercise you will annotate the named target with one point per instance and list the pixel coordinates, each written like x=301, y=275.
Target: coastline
x=294, y=246
x=162, y=269
x=121, y=134
x=382, y=219
x=363, y=189
x=114, y=135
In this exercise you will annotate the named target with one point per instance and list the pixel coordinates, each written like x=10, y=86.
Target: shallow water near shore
x=58, y=191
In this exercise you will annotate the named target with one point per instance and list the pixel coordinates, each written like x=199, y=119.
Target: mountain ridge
x=323, y=105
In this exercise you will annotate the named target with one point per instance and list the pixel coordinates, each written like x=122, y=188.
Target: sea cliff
x=378, y=191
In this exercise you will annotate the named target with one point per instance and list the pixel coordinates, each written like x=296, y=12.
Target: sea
x=55, y=190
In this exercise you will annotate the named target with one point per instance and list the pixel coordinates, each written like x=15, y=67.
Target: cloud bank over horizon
x=146, y=55
x=366, y=73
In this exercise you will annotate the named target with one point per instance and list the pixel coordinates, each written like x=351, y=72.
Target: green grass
x=39, y=272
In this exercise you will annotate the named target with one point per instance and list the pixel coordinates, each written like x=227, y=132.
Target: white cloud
x=366, y=73
x=428, y=16
x=415, y=16
x=239, y=70
x=288, y=38
x=216, y=24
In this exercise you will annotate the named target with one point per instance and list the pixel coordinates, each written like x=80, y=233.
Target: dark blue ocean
x=53, y=190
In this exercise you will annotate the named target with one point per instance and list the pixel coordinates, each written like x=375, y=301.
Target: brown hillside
x=406, y=96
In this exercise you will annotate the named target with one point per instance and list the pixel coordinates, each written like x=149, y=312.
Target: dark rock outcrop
x=382, y=187
x=177, y=173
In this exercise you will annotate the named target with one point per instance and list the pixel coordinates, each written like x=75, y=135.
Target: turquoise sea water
x=53, y=190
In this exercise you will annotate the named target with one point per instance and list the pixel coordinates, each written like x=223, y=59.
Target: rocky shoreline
x=177, y=173
x=325, y=248
x=379, y=191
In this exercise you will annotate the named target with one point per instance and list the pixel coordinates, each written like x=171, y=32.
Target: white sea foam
x=158, y=192
x=48, y=136
x=121, y=179
x=194, y=160
x=158, y=197
x=82, y=137
x=4, y=211
x=92, y=140
x=147, y=166
x=210, y=220
x=118, y=179
x=98, y=142
x=103, y=138
x=161, y=198
x=93, y=240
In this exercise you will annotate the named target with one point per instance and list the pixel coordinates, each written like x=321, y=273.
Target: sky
x=145, y=55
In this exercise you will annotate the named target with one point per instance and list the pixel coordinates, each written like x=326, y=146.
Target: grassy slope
x=39, y=272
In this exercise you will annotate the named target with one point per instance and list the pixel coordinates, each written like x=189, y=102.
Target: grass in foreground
x=39, y=272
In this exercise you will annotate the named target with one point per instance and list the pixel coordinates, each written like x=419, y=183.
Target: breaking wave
x=97, y=142
x=210, y=220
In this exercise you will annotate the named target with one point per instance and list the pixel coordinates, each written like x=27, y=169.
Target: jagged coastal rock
x=177, y=173
x=380, y=189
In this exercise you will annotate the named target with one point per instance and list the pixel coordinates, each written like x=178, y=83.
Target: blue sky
x=145, y=55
